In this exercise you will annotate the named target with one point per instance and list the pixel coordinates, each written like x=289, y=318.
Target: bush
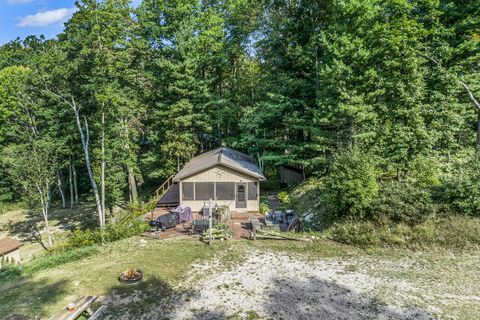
x=112, y=232
x=264, y=208
x=306, y=200
x=403, y=202
x=452, y=232
x=350, y=186
x=460, y=191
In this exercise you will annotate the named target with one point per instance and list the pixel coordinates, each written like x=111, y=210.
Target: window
x=204, y=190
x=187, y=191
x=225, y=190
x=252, y=191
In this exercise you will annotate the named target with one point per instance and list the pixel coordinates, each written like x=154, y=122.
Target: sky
x=20, y=18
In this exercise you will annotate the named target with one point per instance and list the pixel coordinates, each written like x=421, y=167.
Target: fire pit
x=131, y=276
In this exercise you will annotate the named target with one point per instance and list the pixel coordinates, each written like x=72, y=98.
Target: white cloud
x=19, y=1
x=45, y=18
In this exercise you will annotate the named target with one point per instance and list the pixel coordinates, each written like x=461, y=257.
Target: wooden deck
x=239, y=223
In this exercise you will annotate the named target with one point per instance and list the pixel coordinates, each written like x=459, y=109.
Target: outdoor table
x=82, y=305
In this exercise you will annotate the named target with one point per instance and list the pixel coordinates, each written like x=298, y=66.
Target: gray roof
x=221, y=156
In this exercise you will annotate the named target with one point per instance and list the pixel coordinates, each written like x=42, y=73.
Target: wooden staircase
x=168, y=194
x=164, y=187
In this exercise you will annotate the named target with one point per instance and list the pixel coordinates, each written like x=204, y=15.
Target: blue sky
x=20, y=18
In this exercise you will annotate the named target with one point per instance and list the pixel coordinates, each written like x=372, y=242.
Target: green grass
x=49, y=260
x=164, y=263
x=53, y=283
x=20, y=223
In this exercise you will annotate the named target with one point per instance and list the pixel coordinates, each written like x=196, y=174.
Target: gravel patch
x=273, y=285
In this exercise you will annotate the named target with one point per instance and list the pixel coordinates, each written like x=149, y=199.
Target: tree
x=32, y=167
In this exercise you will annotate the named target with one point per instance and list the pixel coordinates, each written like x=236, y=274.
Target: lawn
x=187, y=279
x=163, y=262
x=29, y=227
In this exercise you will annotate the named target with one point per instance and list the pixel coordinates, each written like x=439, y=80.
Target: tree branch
x=470, y=95
x=72, y=104
x=459, y=80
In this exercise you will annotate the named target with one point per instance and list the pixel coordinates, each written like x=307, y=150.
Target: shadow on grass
x=15, y=305
x=322, y=299
x=135, y=301
x=30, y=228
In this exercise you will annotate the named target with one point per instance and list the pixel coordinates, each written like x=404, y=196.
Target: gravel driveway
x=273, y=285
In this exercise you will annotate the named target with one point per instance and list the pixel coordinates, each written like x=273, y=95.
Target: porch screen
x=252, y=191
x=187, y=190
x=204, y=190
x=225, y=190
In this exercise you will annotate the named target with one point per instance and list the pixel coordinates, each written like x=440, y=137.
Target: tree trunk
x=85, y=141
x=70, y=182
x=102, y=178
x=75, y=188
x=60, y=190
x=49, y=197
x=132, y=184
x=478, y=130
x=44, y=203
x=47, y=228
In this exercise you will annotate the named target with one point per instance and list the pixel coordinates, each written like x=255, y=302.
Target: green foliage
x=352, y=92
x=403, y=202
x=307, y=200
x=452, y=232
x=460, y=191
x=350, y=186
x=50, y=259
x=112, y=232
x=264, y=208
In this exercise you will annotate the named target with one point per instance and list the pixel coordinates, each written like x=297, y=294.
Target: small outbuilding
x=290, y=175
x=226, y=176
x=9, y=249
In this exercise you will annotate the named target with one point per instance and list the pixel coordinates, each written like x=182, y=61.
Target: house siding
x=227, y=175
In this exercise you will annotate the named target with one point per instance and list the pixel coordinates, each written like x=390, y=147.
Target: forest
x=376, y=101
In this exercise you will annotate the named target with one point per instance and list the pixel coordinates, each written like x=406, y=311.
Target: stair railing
x=160, y=192
x=164, y=187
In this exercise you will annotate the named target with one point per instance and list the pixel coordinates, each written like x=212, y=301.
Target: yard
x=29, y=227
x=185, y=279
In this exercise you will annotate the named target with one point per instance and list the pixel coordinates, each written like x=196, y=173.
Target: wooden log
x=279, y=235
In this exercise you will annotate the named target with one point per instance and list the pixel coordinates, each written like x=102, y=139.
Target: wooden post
x=210, y=239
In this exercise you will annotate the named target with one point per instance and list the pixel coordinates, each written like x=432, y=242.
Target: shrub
x=451, y=232
x=460, y=191
x=306, y=200
x=403, y=202
x=264, y=208
x=112, y=232
x=284, y=198
x=350, y=186
x=425, y=171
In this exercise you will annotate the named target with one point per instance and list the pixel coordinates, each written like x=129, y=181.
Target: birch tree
x=33, y=167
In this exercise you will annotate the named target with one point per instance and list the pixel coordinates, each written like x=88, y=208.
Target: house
x=9, y=249
x=226, y=176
